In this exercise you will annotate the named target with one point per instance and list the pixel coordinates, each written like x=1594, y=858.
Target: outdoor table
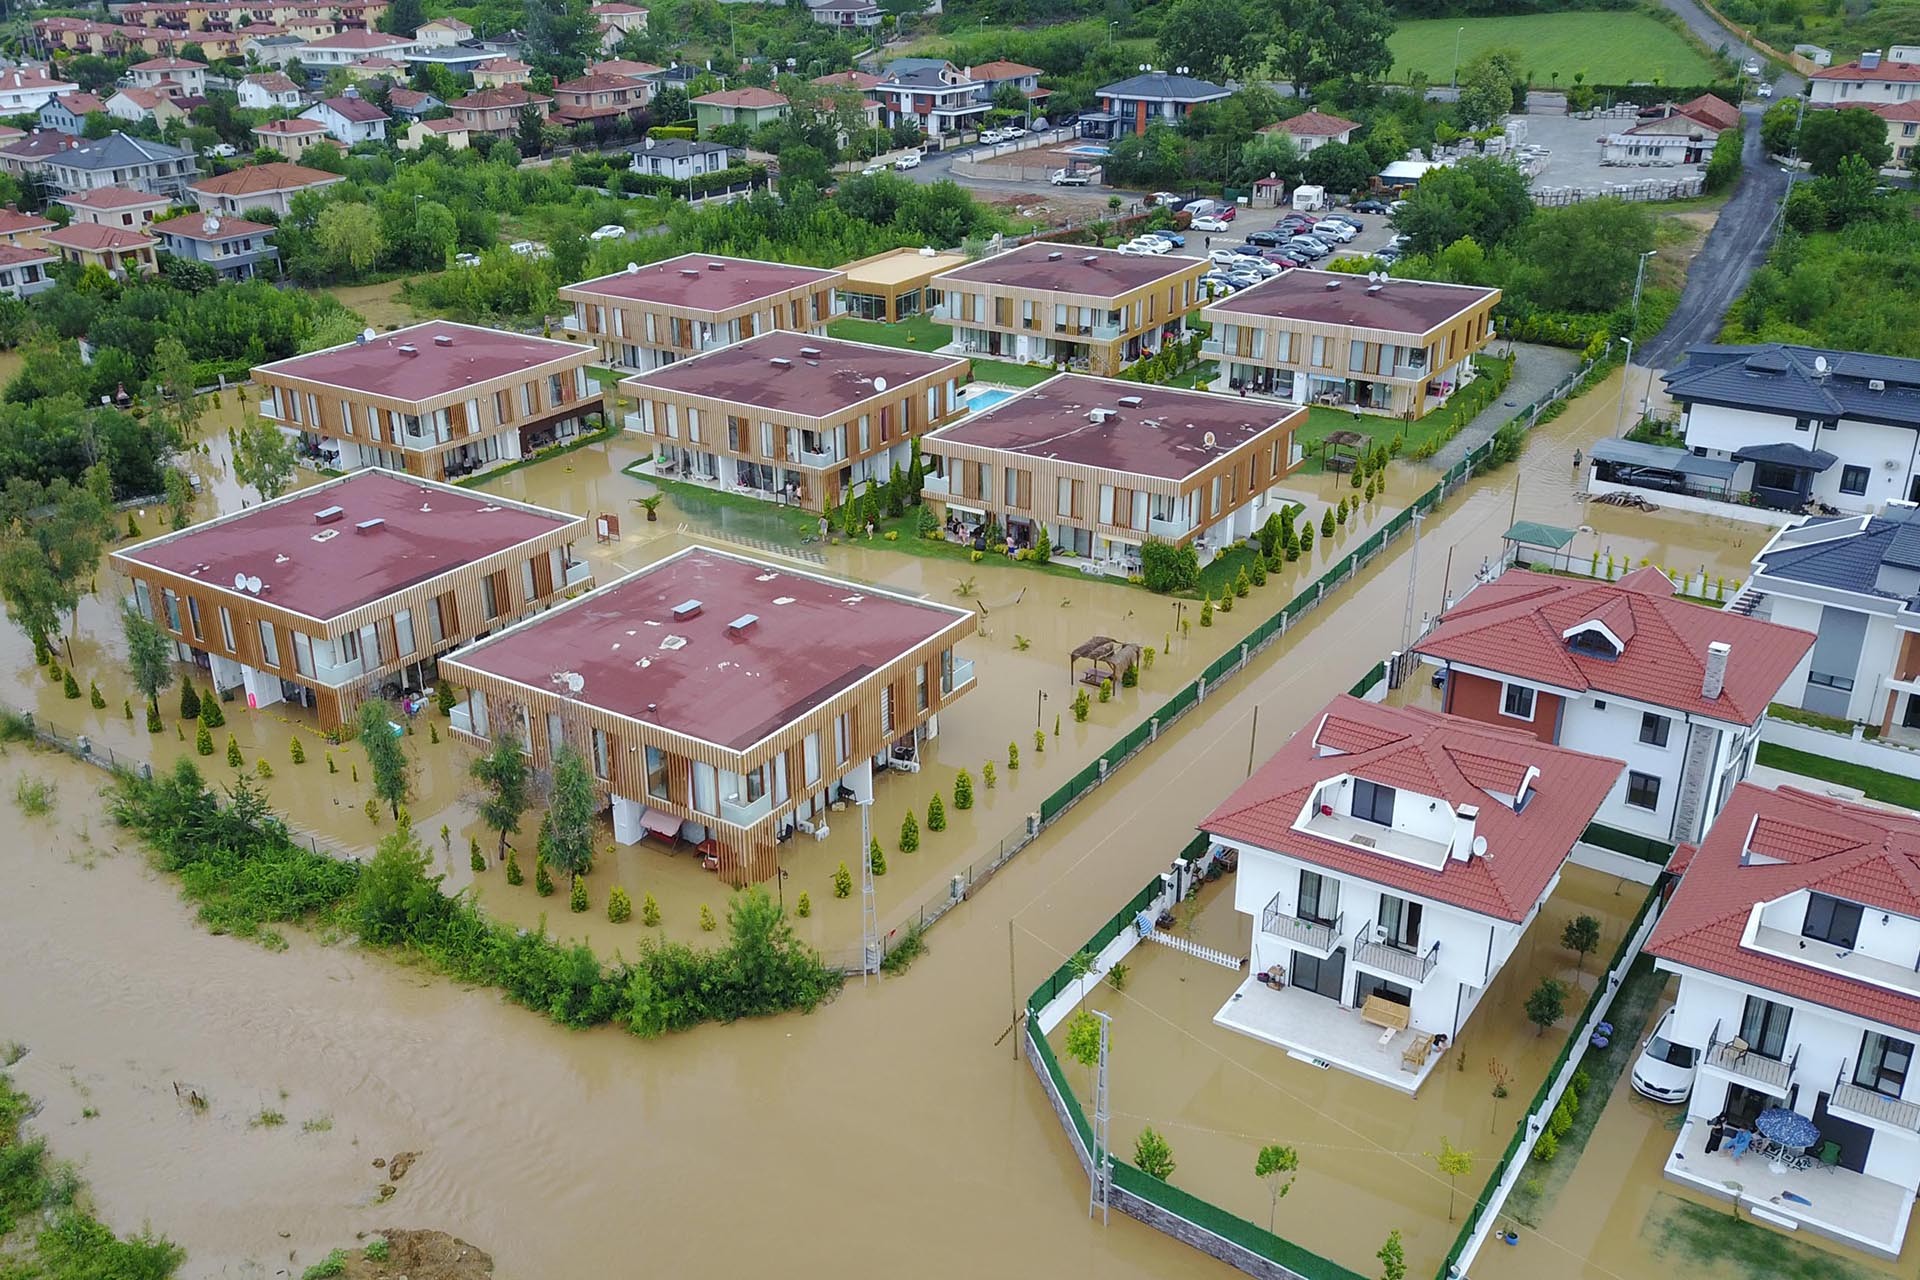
x=1788, y=1130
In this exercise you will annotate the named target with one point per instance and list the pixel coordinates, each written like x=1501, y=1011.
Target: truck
x=1069, y=178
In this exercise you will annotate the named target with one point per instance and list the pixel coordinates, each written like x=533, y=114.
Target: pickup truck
x=1068, y=178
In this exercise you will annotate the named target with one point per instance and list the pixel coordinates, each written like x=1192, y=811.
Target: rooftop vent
x=407, y=349
x=811, y=353
x=781, y=362
x=1870, y=60
x=327, y=515
x=1373, y=289
x=1876, y=384
x=1331, y=285
x=671, y=643
x=1055, y=256
x=716, y=266
x=689, y=271
x=1090, y=259
x=442, y=339
x=1100, y=415
x=370, y=526
x=326, y=535
x=1130, y=402
x=742, y=624
x=687, y=609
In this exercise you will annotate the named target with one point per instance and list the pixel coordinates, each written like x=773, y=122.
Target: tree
x=397, y=900
x=1585, y=257
x=179, y=496
x=1828, y=137
x=171, y=387
x=263, y=457
x=1214, y=39
x=1482, y=197
x=1277, y=1166
x=1152, y=1155
x=403, y=17
x=51, y=536
x=1582, y=937
x=1452, y=1161
x=1780, y=126
x=1339, y=166
x=149, y=657
x=348, y=238
x=1546, y=1005
x=386, y=758
x=502, y=772
x=804, y=171
x=530, y=135
x=1393, y=1257
x=570, y=808
x=1487, y=88
x=561, y=36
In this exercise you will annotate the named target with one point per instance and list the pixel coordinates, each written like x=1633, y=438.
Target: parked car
x=1369, y=206
x=1173, y=238
x=1133, y=248
x=1307, y=245
x=1338, y=230
x=1752, y=68
x=1208, y=222
x=1280, y=258
x=1346, y=220
x=466, y=259
x=1260, y=267
x=1664, y=1070
x=223, y=150
x=1201, y=208
x=1388, y=255
x=1068, y=178
x=1220, y=281
x=911, y=160
x=612, y=231
x=1013, y=131
x=1153, y=244
x=1227, y=212
x=529, y=249
x=1267, y=239
x=877, y=167
x=1164, y=200
x=1223, y=257
x=1764, y=91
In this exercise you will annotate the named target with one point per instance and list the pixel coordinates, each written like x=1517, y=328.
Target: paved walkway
x=1536, y=371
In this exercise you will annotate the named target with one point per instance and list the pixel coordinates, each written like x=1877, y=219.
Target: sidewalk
x=1537, y=370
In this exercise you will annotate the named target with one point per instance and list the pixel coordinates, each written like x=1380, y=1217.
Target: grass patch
x=1715, y=1242
x=1888, y=788
x=1612, y=47
x=268, y=1120
x=1439, y=426
x=919, y=333
x=605, y=433
x=319, y=1124
x=33, y=796
x=334, y=1264
x=911, y=947
x=12, y=1052
x=1631, y=1011
x=1811, y=719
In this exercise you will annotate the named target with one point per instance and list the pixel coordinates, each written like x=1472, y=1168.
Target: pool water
x=1086, y=149
x=981, y=398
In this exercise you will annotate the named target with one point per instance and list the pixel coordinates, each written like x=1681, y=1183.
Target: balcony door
x=1763, y=1025
x=1319, y=898
x=1399, y=922
x=1322, y=977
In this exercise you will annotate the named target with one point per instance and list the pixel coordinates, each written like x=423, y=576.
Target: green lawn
x=1438, y=425
x=1614, y=47
x=923, y=334
x=1888, y=788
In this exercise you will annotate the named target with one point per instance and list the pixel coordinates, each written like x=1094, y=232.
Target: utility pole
x=1413, y=581
x=869, y=918
x=1098, y=1197
x=1456, y=58
x=1620, y=413
x=1253, y=736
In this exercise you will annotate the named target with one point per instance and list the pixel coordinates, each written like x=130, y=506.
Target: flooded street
x=878, y=1128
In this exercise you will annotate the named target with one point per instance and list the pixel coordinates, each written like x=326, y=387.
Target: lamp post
x=1621, y=412
x=1456, y=58
x=1040, y=696
x=1633, y=322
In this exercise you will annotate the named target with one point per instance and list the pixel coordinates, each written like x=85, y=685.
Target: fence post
x=1153, y=729
x=1201, y=696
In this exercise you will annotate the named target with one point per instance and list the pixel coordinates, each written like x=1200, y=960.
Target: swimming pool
x=1085, y=149
x=982, y=397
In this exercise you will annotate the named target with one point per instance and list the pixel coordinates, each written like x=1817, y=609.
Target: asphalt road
x=1710, y=33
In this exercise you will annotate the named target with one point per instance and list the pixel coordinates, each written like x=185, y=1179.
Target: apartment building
x=339, y=591
x=351, y=47
x=1080, y=308
x=720, y=699
x=1391, y=860
x=793, y=418
x=234, y=247
x=436, y=399
x=1795, y=933
x=1150, y=98
x=646, y=317
x=1872, y=77
x=1106, y=466
x=1625, y=670
x=1400, y=348
x=120, y=161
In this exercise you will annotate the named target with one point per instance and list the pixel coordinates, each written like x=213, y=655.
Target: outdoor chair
x=1829, y=1156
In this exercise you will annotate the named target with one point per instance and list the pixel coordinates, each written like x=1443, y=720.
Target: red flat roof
x=1073, y=268
x=275, y=541
x=1396, y=306
x=1441, y=757
x=381, y=368
x=822, y=377
x=705, y=282
x=814, y=638
x=1518, y=625
x=1163, y=436
x=1851, y=851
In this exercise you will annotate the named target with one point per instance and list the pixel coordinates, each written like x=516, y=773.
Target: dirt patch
x=421, y=1255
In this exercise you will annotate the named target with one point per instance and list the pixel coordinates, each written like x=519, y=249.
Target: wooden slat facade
x=615, y=322
x=747, y=853
x=996, y=308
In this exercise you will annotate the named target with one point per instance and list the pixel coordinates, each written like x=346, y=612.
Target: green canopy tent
x=1548, y=542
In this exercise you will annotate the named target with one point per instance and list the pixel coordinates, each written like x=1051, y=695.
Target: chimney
x=1465, y=819
x=1716, y=677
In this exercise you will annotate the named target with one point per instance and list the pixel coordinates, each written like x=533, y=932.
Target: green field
x=1610, y=47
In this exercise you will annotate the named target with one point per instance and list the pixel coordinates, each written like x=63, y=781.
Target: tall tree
x=1828, y=137
x=171, y=386
x=1584, y=257
x=1211, y=38
x=1482, y=198
x=51, y=536
x=403, y=17
x=386, y=758
x=570, y=810
x=561, y=36
x=502, y=772
x=349, y=237
x=262, y=457
x=149, y=656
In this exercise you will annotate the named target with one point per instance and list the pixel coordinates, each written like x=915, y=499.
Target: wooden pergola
x=1342, y=450
x=1109, y=659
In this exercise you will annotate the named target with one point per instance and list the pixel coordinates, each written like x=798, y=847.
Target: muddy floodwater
x=891, y=1129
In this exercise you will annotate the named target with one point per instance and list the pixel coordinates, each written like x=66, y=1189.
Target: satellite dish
x=1480, y=846
x=1207, y=439
x=253, y=585
x=879, y=382
x=239, y=582
x=367, y=334
x=1819, y=364
x=633, y=268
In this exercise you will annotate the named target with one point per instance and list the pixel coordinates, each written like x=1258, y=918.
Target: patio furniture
x=1382, y=1012
x=1416, y=1052
x=1830, y=1156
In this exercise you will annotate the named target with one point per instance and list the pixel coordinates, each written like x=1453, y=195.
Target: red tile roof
x=298, y=126
x=1853, y=851
x=254, y=179
x=273, y=82
x=1445, y=757
x=15, y=255
x=510, y=95
x=624, y=67
x=1515, y=625
x=90, y=237
x=1313, y=124
x=353, y=109
x=13, y=222
x=1886, y=71
x=1899, y=111
x=861, y=80
x=112, y=198
x=168, y=64
x=1711, y=110
x=200, y=226
x=1001, y=70
x=82, y=104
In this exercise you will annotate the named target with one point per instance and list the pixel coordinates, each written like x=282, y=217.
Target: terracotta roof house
x=860, y=80
x=1872, y=77
x=116, y=207
x=1795, y=932
x=597, y=99
x=1312, y=129
x=121, y=252
x=498, y=73
x=1624, y=669
x=23, y=270
x=749, y=107
x=349, y=119
x=23, y=229
x=269, y=90
x=624, y=67
x=23, y=89
x=291, y=137
x=495, y=113
x=259, y=186
x=233, y=247
x=1394, y=855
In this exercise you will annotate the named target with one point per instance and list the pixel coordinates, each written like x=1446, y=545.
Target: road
x=1706, y=29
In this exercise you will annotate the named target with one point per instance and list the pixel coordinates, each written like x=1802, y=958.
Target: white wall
x=1824, y=1038
x=1614, y=731
x=1878, y=650
x=1839, y=746
x=1722, y=431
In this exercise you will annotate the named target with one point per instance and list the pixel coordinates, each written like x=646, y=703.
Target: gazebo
x=1107, y=659
x=1532, y=535
x=1342, y=450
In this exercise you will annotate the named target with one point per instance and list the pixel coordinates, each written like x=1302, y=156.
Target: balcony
x=819, y=458
x=1303, y=934
x=938, y=486
x=1104, y=332
x=1851, y=1102
x=962, y=677
x=1389, y=842
x=1857, y=965
x=745, y=814
x=1734, y=1058
x=1409, y=966
x=577, y=572
x=1171, y=529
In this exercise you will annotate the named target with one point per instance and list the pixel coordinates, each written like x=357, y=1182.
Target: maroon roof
x=749, y=98
x=1516, y=625
x=13, y=222
x=197, y=226
x=822, y=377
x=1852, y=851
x=1396, y=306
x=1445, y=757
x=813, y=638
x=434, y=368
x=112, y=198
x=1313, y=124
x=1711, y=109
x=324, y=579
x=353, y=108
x=1886, y=71
x=1163, y=436
x=693, y=281
x=1072, y=268
x=15, y=255
x=90, y=237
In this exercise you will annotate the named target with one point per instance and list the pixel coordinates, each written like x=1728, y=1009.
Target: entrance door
x=1911, y=717
x=1744, y=1105
x=1322, y=977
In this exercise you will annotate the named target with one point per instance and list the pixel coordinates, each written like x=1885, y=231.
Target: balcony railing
x=1104, y=332
x=962, y=677
x=745, y=814
x=818, y=458
x=1743, y=1062
x=936, y=485
x=1412, y=966
x=1169, y=529
x=1309, y=934
x=1877, y=1107
x=577, y=572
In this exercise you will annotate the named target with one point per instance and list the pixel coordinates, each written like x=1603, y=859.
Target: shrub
x=842, y=881
x=372, y=810
x=94, y=699
x=1165, y=568
x=126, y=708
x=619, y=905
x=378, y=1250
x=296, y=752
x=963, y=790
x=987, y=775
x=202, y=740
x=433, y=733
x=1327, y=523
x=1106, y=691
x=1306, y=538
x=649, y=910
x=1226, y=600
x=476, y=860
x=189, y=701
x=876, y=859
x=331, y=766
x=1130, y=678
x=443, y=697
x=909, y=833
x=1039, y=742
x=1082, y=706
x=210, y=713
x=1546, y=1147
x=1152, y=1156
x=1206, y=613
x=577, y=896
x=233, y=751
x=1259, y=568
x=1013, y=757
x=514, y=874
x=803, y=905
x=1242, y=584
x=937, y=811
x=707, y=922
x=542, y=881
x=1580, y=1080
x=262, y=769
x=153, y=720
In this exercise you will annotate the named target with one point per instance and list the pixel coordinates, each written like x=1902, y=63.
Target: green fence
x=1237, y=1230
x=1375, y=675
x=1626, y=842
x=1063, y=977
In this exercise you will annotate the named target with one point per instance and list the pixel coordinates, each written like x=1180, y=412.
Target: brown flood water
x=884, y=1126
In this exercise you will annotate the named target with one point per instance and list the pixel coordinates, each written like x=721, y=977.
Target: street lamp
x=1040, y=697
x=1626, y=368
x=1456, y=58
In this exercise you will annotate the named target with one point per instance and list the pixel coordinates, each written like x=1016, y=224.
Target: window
x=1763, y=1025
x=946, y=672
x=810, y=758
x=841, y=738
x=1372, y=802
x=403, y=633
x=1828, y=680
x=1653, y=729
x=1319, y=898
x=1883, y=1064
x=172, y=603
x=1517, y=702
x=1831, y=920
x=350, y=647
x=920, y=687
x=489, y=598
x=302, y=653
x=756, y=783
x=1399, y=922
x=886, y=710
x=269, y=645
x=1853, y=480
x=1643, y=791
x=656, y=774
x=599, y=740
x=1803, y=424
x=143, y=600
x=226, y=627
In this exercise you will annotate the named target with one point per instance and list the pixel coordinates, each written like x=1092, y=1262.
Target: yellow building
x=897, y=284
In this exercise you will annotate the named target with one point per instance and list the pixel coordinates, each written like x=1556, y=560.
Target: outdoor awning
x=1534, y=534
x=660, y=823
x=1655, y=457
x=1793, y=456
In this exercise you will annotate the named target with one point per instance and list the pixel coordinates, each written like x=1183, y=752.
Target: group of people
x=1725, y=1133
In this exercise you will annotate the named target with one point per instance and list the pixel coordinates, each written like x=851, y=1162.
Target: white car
x=1338, y=230
x=612, y=231
x=1137, y=248
x=1208, y=223
x=1664, y=1070
x=992, y=136
x=223, y=150
x=466, y=259
x=1154, y=244
x=1764, y=91
x=529, y=249
x=1014, y=131
x=877, y=167
x=911, y=160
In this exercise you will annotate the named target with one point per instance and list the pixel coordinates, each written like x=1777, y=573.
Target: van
x=1202, y=208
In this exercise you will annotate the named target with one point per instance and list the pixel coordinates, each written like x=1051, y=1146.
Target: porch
x=1867, y=1213
x=1324, y=1032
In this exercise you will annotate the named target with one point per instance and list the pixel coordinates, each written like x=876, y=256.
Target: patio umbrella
x=1788, y=1128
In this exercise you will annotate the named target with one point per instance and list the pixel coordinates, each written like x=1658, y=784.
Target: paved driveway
x=1536, y=371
